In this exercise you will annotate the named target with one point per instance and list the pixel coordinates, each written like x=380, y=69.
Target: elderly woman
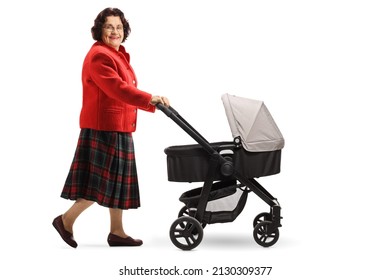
x=103, y=169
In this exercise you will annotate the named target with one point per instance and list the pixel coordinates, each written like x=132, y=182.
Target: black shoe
x=115, y=240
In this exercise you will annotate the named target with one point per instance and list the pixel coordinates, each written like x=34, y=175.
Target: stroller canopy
x=251, y=121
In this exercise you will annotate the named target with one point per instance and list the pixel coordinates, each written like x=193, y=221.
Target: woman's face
x=113, y=32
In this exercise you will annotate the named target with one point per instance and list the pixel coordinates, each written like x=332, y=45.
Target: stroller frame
x=191, y=221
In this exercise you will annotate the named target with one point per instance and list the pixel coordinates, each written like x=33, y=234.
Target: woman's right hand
x=159, y=99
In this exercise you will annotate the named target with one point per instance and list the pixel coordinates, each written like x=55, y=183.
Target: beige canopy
x=251, y=121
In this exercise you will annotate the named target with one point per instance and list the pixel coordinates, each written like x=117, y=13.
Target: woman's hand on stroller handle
x=156, y=99
x=162, y=103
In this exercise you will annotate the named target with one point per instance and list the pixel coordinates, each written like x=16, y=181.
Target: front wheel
x=263, y=236
x=186, y=233
x=262, y=217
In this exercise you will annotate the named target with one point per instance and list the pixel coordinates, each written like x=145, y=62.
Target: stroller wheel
x=185, y=211
x=186, y=233
x=262, y=217
x=263, y=236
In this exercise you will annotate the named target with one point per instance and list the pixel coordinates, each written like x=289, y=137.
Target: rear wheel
x=186, y=233
x=185, y=211
x=263, y=236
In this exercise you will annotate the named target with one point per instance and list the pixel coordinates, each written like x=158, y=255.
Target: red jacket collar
x=121, y=49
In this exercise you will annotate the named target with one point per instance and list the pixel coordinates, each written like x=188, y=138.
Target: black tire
x=262, y=217
x=187, y=212
x=262, y=235
x=186, y=233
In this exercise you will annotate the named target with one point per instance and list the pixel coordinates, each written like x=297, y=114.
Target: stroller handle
x=166, y=110
x=181, y=122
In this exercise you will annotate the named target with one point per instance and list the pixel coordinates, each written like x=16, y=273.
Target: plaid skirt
x=104, y=170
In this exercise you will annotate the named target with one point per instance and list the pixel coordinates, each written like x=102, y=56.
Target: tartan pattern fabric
x=104, y=170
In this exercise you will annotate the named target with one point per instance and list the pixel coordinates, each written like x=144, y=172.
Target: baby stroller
x=228, y=170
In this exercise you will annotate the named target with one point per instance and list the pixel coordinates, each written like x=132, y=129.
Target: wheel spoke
x=188, y=240
x=263, y=229
x=190, y=227
x=179, y=232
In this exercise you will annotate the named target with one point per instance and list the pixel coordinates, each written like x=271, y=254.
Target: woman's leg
x=116, y=222
x=70, y=216
x=117, y=236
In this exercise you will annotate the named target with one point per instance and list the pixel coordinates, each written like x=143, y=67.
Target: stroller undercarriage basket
x=225, y=202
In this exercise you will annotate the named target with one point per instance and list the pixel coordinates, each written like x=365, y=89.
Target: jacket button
x=133, y=124
x=133, y=81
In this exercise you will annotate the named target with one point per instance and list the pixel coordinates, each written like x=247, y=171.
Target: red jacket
x=110, y=94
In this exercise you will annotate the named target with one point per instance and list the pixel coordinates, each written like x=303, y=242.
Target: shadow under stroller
x=228, y=170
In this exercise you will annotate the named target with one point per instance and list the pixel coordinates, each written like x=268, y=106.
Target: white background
x=322, y=68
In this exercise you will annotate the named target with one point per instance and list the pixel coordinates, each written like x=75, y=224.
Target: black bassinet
x=190, y=163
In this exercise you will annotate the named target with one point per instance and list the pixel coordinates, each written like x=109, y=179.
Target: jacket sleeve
x=105, y=75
